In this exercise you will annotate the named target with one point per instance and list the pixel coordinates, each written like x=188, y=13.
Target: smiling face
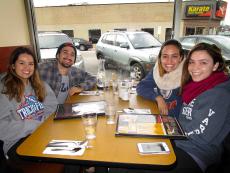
x=170, y=58
x=201, y=65
x=66, y=57
x=24, y=67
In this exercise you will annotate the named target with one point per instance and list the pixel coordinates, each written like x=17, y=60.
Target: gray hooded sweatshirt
x=17, y=120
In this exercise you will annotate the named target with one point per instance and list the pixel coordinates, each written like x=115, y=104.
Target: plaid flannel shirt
x=77, y=77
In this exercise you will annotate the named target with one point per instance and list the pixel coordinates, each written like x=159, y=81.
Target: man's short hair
x=67, y=44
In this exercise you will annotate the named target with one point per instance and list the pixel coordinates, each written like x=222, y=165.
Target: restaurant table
x=108, y=150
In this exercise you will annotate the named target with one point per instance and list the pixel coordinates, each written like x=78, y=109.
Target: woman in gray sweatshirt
x=25, y=101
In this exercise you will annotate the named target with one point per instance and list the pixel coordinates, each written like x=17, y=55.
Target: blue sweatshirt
x=148, y=89
x=206, y=121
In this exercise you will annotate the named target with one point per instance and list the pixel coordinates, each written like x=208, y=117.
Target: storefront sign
x=198, y=10
x=221, y=7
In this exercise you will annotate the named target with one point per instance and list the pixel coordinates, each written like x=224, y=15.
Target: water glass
x=123, y=90
x=110, y=112
x=90, y=122
x=115, y=87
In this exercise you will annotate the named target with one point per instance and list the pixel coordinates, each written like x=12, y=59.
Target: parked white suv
x=129, y=50
x=49, y=43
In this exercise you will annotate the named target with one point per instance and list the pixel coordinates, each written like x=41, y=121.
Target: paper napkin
x=65, y=147
x=137, y=111
x=90, y=93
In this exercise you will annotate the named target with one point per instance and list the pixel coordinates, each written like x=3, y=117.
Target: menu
x=68, y=110
x=149, y=125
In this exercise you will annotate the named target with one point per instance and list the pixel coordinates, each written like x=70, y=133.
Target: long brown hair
x=13, y=85
x=215, y=54
x=167, y=43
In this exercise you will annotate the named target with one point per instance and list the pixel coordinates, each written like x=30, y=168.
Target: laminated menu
x=68, y=110
x=149, y=125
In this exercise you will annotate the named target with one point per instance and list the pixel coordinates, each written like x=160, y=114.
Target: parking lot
x=91, y=64
x=91, y=61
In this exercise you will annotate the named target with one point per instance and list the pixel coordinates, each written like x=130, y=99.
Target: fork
x=83, y=142
x=71, y=150
x=66, y=142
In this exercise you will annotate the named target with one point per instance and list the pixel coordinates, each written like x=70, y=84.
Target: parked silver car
x=137, y=50
x=82, y=44
x=49, y=43
x=222, y=42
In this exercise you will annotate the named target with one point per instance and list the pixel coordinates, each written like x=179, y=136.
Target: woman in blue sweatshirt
x=162, y=84
x=204, y=114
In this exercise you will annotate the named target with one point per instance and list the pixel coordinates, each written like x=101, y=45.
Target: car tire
x=228, y=67
x=138, y=70
x=106, y=65
x=100, y=56
x=82, y=47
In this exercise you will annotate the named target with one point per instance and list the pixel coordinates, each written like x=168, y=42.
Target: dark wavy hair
x=175, y=43
x=69, y=44
x=215, y=54
x=13, y=85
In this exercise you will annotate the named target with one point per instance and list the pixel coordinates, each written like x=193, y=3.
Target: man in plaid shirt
x=63, y=78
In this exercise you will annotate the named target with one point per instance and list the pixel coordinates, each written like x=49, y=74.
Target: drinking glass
x=115, y=87
x=110, y=112
x=90, y=122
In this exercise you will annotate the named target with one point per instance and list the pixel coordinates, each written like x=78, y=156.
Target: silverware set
x=71, y=150
x=58, y=144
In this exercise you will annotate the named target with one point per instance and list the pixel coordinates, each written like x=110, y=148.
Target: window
x=103, y=40
x=189, y=42
x=120, y=39
x=52, y=41
x=201, y=40
x=110, y=39
x=189, y=31
x=149, y=30
x=69, y=33
x=200, y=30
x=143, y=40
x=120, y=29
x=94, y=35
x=168, y=33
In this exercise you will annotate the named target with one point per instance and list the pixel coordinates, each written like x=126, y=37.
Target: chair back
x=2, y=156
x=224, y=165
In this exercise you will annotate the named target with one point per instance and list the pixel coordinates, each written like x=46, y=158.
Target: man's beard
x=64, y=65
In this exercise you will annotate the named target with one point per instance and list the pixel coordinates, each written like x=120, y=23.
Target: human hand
x=162, y=106
x=75, y=90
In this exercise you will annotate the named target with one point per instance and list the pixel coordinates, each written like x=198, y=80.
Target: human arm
x=82, y=79
x=210, y=117
x=162, y=106
x=50, y=102
x=75, y=90
x=147, y=87
x=12, y=127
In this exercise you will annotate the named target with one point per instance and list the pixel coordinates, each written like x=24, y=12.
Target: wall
x=105, y=17
x=13, y=30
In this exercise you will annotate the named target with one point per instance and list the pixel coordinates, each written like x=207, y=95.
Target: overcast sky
x=40, y=3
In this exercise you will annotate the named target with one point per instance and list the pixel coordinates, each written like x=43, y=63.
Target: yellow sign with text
x=198, y=10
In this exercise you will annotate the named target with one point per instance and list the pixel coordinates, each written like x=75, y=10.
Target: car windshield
x=143, y=40
x=52, y=41
x=223, y=41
